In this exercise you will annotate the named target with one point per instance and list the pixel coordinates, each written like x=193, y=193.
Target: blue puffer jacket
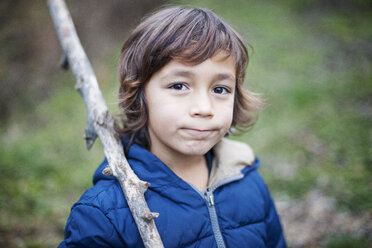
x=235, y=211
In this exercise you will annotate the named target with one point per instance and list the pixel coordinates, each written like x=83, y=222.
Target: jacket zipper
x=209, y=198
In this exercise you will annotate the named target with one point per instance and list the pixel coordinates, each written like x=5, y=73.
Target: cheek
x=228, y=120
x=227, y=114
x=162, y=113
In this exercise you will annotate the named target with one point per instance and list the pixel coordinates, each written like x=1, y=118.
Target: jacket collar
x=229, y=159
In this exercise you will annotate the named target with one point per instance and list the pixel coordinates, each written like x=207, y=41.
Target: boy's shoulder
x=105, y=194
x=93, y=219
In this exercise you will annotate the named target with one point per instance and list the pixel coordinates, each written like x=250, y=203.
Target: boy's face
x=190, y=108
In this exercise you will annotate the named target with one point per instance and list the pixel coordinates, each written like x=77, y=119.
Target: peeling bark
x=100, y=123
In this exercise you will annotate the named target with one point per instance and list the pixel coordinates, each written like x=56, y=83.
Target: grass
x=346, y=241
x=313, y=67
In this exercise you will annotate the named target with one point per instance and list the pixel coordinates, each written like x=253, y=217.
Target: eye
x=178, y=86
x=221, y=90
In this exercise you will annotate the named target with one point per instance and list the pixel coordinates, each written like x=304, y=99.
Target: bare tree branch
x=101, y=123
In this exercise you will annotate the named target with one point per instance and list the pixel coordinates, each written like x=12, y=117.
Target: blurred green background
x=312, y=62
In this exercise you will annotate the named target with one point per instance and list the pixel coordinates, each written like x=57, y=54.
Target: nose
x=201, y=105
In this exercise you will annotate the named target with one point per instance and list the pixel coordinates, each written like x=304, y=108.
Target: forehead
x=221, y=64
x=220, y=61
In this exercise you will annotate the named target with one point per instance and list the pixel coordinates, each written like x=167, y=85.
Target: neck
x=187, y=163
x=191, y=168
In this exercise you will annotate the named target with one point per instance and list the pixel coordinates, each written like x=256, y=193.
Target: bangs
x=203, y=37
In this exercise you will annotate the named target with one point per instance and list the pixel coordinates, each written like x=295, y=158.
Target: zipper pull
x=210, y=197
x=211, y=200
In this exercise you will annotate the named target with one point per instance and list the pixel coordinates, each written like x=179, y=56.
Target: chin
x=198, y=148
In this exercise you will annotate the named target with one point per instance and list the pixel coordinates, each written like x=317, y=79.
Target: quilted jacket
x=235, y=210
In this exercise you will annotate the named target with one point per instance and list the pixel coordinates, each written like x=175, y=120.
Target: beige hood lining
x=230, y=157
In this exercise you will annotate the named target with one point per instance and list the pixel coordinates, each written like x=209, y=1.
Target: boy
x=181, y=89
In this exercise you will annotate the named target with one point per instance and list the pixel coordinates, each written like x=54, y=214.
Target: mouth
x=199, y=130
x=198, y=133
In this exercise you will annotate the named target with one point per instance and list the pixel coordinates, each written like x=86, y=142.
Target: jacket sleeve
x=275, y=236
x=87, y=226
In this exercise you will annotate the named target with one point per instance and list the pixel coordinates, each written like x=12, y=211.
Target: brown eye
x=221, y=90
x=178, y=86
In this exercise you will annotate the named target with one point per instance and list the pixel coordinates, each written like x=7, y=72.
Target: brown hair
x=190, y=35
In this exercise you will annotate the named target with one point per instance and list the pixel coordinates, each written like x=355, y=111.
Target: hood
x=229, y=159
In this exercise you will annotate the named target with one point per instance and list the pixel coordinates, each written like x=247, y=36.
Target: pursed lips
x=198, y=133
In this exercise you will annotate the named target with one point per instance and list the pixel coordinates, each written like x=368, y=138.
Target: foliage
x=346, y=241
x=44, y=167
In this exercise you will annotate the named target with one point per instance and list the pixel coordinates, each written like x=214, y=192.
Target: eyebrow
x=224, y=76
x=219, y=76
x=182, y=73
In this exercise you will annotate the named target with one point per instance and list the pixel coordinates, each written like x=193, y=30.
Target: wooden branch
x=101, y=123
